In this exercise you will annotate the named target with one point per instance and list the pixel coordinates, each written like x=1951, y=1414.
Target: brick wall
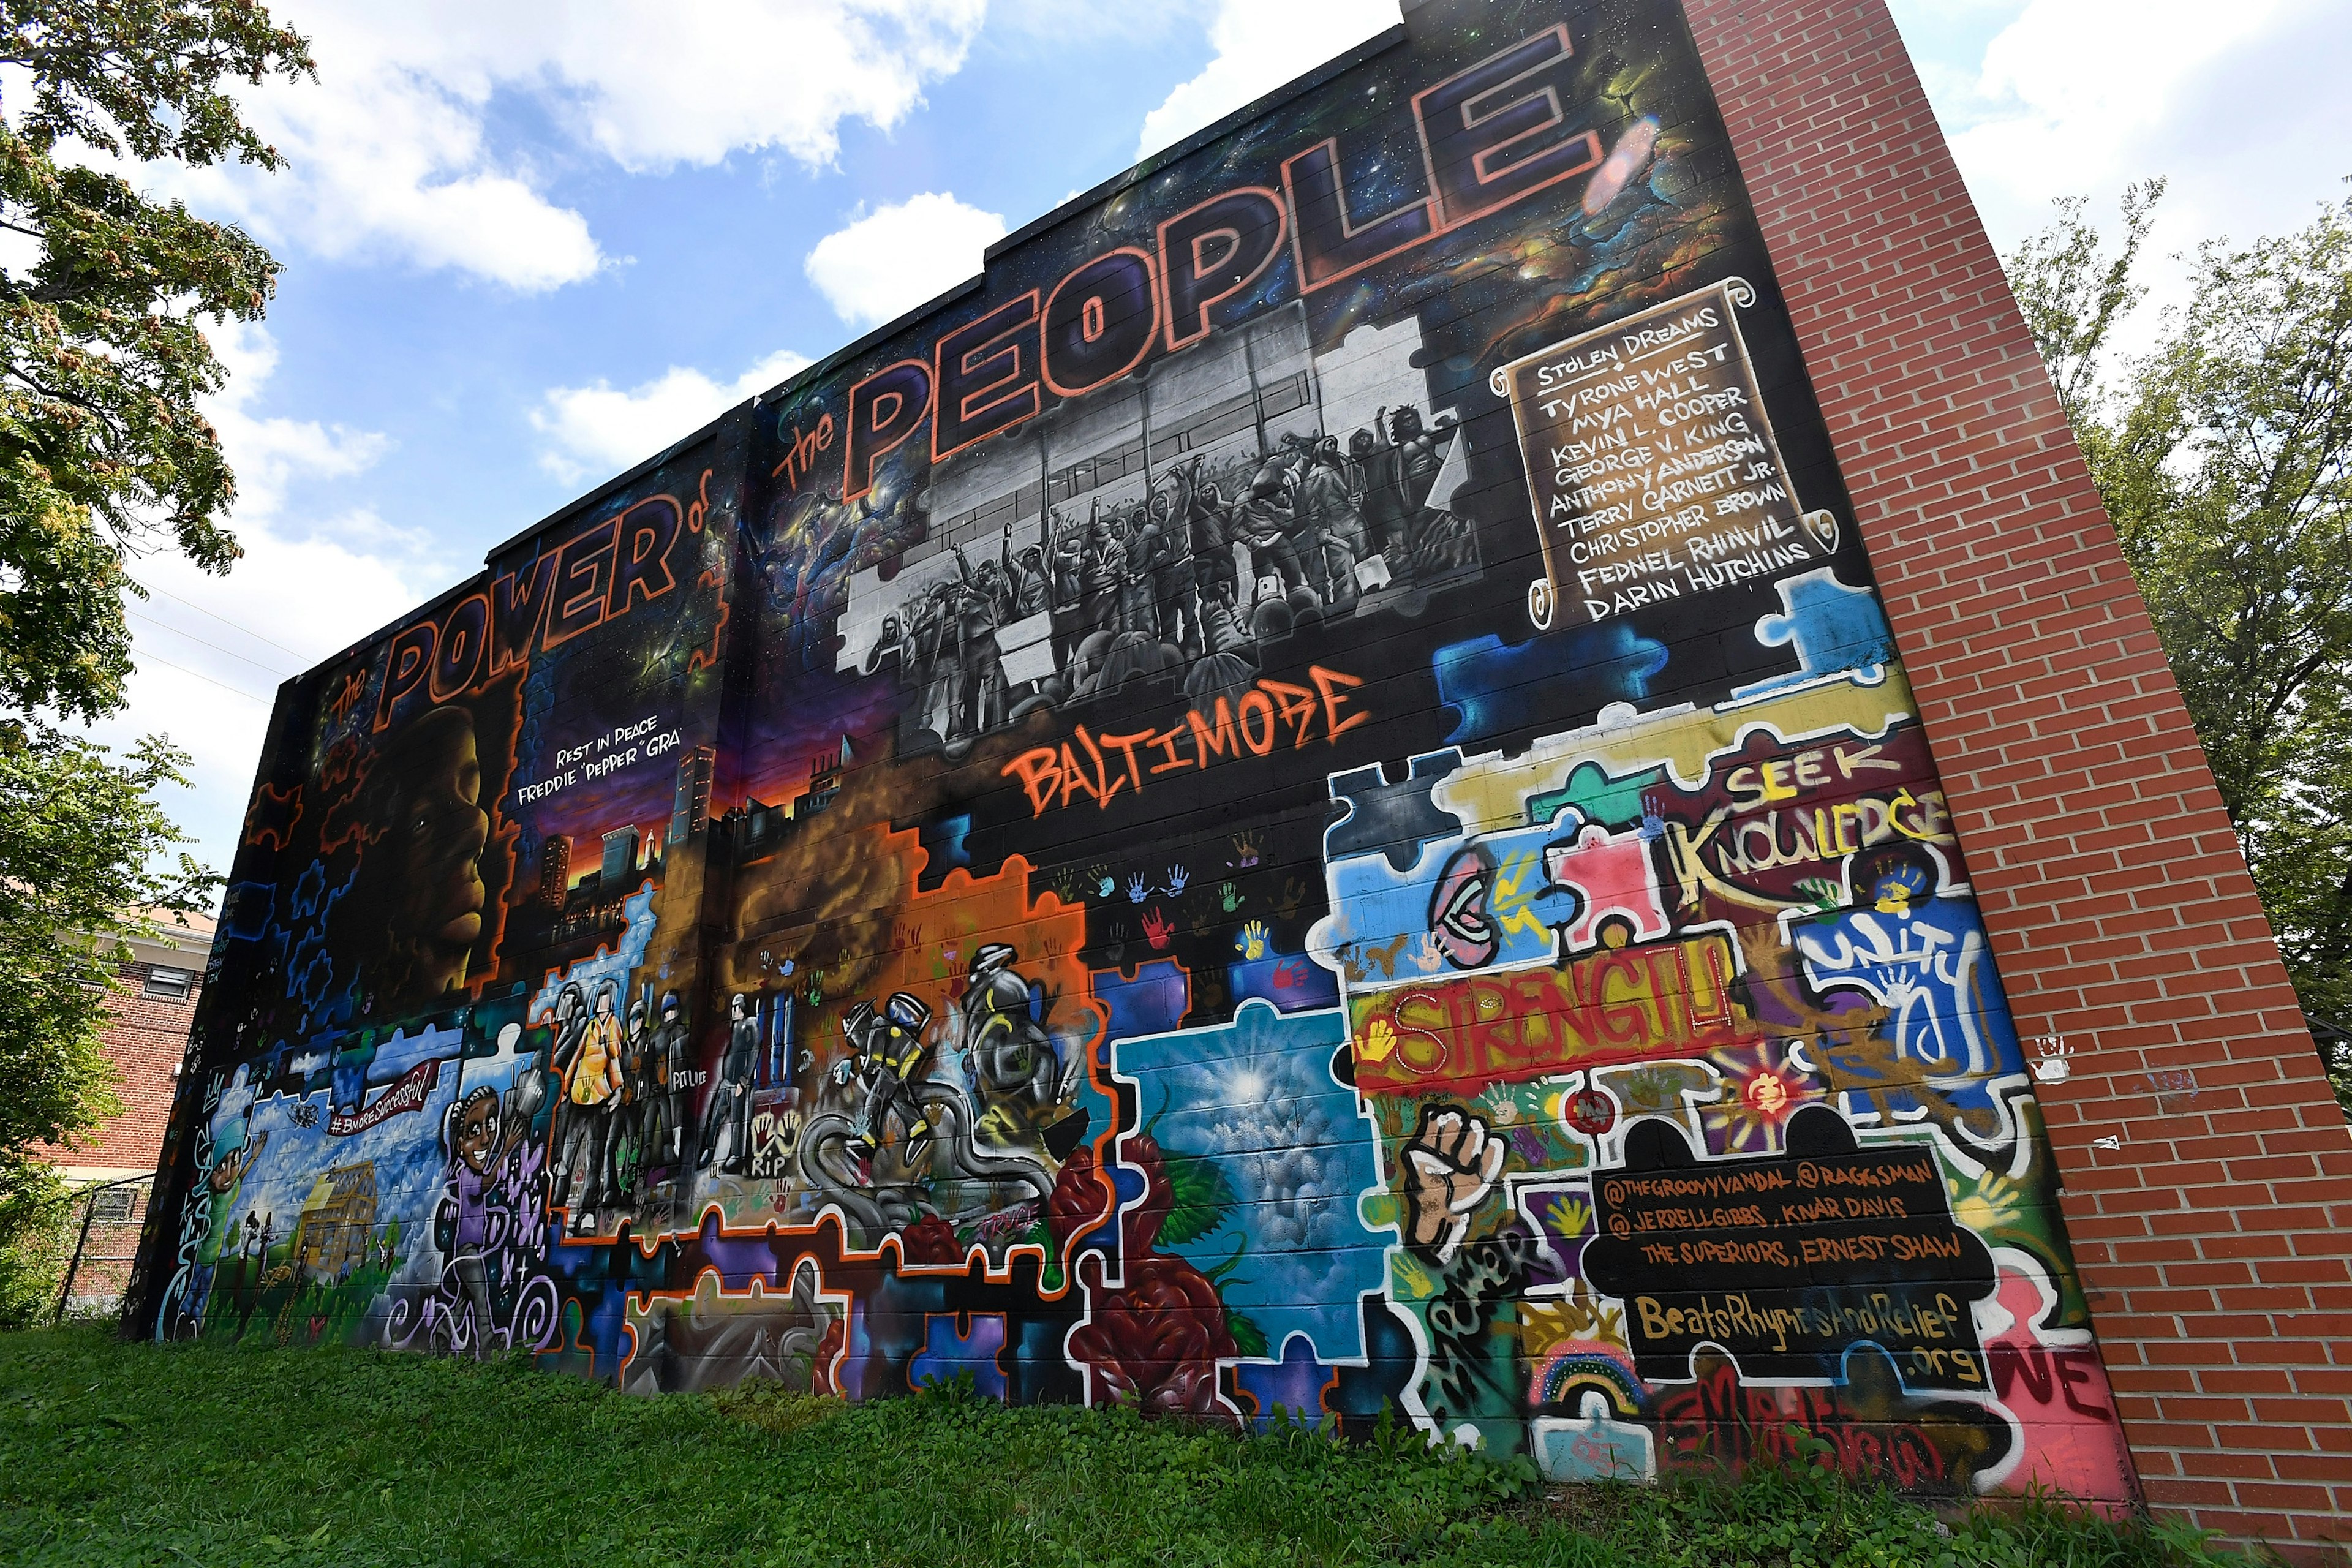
x=145, y=1038
x=2209, y=1172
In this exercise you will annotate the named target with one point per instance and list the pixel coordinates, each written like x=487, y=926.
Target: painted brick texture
x=2208, y=1170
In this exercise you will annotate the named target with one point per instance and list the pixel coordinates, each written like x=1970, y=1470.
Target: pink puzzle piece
x=1616, y=877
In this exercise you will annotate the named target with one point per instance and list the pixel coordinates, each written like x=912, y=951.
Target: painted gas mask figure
x=415, y=913
x=892, y=1057
x=1012, y=1056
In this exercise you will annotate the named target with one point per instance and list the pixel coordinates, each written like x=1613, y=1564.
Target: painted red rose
x=1139, y=1226
x=1081, y=1197
x=1157, y=1340
x=930, y=1240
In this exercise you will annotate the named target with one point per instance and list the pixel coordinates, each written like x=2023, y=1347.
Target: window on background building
x=113, y=1206
x=168, y=985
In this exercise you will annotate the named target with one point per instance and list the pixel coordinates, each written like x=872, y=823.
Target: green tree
x=104, y=457
x=2224, y=457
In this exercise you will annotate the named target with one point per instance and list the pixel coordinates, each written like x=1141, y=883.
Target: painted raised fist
x=1450, y=1167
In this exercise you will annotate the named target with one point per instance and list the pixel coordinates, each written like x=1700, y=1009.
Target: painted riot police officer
x=892, y=1057
x=670, y=1139
x=727, y=1123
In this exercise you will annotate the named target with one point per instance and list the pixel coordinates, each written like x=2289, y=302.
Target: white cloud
x=663, y=84
x=895, y=258
x=601, y=427
x=209, y=651
x=266, y=453
x=390, y=150
x=1260, y=46
x=2241, y=106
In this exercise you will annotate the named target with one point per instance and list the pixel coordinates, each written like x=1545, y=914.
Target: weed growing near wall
x=120, y=1455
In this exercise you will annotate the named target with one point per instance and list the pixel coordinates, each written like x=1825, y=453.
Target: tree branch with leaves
x=2224, y=457
x=105, y=457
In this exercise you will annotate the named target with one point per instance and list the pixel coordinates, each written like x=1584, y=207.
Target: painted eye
x=1458, y=917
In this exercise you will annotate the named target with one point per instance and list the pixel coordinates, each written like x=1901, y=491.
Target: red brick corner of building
x=2208, y=1168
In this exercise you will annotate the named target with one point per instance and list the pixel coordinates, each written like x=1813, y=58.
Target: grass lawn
x=197, y=1455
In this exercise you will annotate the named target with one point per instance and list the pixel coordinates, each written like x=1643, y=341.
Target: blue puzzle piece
x=1288, y=1151
x=1383, y=924
x=1392, y=819
x=1291, y=981
x=1153, y=1003
x=1496, y=688
x=1296, y=1382
x=946, y=1353
x=1831, y=626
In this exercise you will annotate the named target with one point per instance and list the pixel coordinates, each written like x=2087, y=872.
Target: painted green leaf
x=1204, y=1199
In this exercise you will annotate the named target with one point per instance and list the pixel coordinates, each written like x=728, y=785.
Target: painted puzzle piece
x=1492, y=792
x=1495, y=687
x=1266, y=1157
x=1392, y=819
x=1831, y=628
x=955, y=1343
x=1486, y=903
x=1298, y=1383
x=1615, y=881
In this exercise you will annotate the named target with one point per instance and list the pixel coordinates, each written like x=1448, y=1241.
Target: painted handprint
x=1177, y=877
x=1137, y=890
x=1294, y=893
x=1105, y=886
x=1233, y=897
x=1158, y=927
x=1380, y=1041
x=1449, y=1168
x=1251, y=943
x=1384, y=955
x=1244, y=851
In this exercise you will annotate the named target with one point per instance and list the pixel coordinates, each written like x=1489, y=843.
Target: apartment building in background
x=153, y=1000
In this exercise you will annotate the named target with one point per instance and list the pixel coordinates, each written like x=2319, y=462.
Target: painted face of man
x=439, y=836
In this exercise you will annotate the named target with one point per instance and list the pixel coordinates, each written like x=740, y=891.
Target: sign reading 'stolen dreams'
x=1654, y=471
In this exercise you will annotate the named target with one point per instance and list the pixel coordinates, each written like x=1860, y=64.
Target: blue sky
x=527, y=246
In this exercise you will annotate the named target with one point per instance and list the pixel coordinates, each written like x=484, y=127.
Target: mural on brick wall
x=1299, y=800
